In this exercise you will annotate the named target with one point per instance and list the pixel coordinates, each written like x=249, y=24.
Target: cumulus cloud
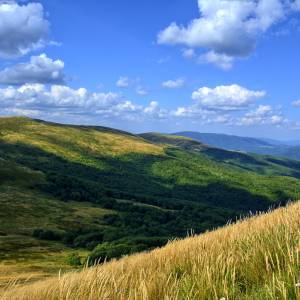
x=264, y=114
x=296, y=103
x=222, y=61
x=155, y=112
x=202, y=116
x=38, y=96
x=228, y=28
x=226, y=98
x=261, y=115
x=141, y=91
x=35, y=99
x=223, y=119
x=276, y=119
x=40, y=69
x=123, y=82
x=192, y=111
x=222, y=104
x=60, y=102
x=174, y=84
x=23, y=28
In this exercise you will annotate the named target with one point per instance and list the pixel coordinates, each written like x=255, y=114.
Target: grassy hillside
x=292, y=151
x=261, y=164
x=24, y=209
x=254, y=259
x=105, y=193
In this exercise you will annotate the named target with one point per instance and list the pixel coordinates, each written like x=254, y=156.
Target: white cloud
x=155, y=112
x=276, y=119
x=296, y=103
x=40, y=69
x=63, y=102
x=223, y=119
x=188, y=53
x=38, y=96
x=174, y=84
x=191, y=112
x=38, y=99
x=226, y=98
x=152, y=107
x=141, y=91
x=23, y=28
x=222, y=104
x=229, y=28
x=264, y=114
x=261, y=115
x=123, y=82
x=220, y=60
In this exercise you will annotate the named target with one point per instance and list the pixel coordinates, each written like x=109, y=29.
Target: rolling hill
x=68, y=192
x=261, y=164
x=246, y=144
x=257, y=258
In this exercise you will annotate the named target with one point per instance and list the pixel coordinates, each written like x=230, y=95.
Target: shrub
x=83, y=241
x=74, y=260
x=108, y=251
x=47, y=234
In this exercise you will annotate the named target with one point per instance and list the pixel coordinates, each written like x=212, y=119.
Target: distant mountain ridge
x=290, y=149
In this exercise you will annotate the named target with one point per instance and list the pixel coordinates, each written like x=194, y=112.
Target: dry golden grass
x=257, y=258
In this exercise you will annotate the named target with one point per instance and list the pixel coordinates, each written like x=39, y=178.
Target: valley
x=73, y=194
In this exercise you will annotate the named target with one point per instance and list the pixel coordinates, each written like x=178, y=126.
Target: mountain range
x=289, y=149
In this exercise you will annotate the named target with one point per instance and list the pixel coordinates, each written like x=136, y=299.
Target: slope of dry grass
x=257, y=258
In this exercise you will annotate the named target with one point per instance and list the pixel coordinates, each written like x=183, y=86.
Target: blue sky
x=211, y=66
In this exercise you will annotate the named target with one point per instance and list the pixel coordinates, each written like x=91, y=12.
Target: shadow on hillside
x=293, y=164
x=131, y=174
x=223, y=155
x=250, y=163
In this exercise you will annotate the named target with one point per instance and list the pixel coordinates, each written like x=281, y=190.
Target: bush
x=47, y=234
x=84, y=241
x=107, y=251
x=74, y=260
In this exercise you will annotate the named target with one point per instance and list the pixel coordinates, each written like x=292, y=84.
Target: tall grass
x=257, y=258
